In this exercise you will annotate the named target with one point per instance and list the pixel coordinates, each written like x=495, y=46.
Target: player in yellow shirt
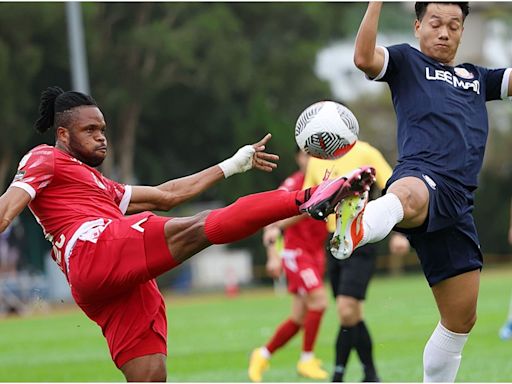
x=301, y=257
x=350, y=277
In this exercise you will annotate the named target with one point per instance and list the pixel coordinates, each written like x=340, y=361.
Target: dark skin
x=85, y=139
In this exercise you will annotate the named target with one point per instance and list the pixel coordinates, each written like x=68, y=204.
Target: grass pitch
x=211, y=336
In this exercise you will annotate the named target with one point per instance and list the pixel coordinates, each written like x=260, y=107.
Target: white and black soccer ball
x=326, y=130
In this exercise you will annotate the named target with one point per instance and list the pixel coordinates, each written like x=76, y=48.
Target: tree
x=141, y=52
x=21, y=60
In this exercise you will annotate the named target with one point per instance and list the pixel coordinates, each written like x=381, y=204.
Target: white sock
x=305, y=356
x=265, y=352
x=380, y=216
x=442, y=355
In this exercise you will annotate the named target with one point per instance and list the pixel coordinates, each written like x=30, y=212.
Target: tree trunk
x=126, y=149
x=130, y=116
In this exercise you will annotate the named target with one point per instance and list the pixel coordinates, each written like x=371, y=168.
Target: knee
x=349, y=318
x=349, y=313
x=186, y=236
x=414, y=198
x=462, y=324
x=413, y=205
x=317, y=300
x=319, y=304
x=298, y=319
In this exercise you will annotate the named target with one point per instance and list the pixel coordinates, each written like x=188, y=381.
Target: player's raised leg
x=187, y=236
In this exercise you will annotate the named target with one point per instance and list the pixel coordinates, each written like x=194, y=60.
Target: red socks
x=283, y=334
x=250, y=213
x=311, y=327
x=289, y=328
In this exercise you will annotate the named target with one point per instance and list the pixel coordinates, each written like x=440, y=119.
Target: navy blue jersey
x=441, y=113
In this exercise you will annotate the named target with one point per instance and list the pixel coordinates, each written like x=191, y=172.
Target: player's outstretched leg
x=349, y=225
x=330, y=192
x=251, y=213
x=186, y=236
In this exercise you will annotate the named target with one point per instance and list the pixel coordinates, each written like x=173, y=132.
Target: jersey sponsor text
x=448, y=77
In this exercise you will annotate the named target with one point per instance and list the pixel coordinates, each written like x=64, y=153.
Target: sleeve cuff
x=125, y=201
x=384, y=67
x=505, y=83
x=26, y=187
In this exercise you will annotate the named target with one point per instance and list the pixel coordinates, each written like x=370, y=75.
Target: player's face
x=86, y=138
x=440, y=31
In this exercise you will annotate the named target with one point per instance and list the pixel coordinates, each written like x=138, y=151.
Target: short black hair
x=55, y=107
x=421, y=7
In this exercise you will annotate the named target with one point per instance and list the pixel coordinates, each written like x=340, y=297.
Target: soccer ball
x=326, y=130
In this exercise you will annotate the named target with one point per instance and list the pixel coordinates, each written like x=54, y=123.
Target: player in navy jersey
x=111, y=260
x=442, y=131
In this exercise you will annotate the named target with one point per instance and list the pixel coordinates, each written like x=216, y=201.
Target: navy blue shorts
x=350, y=277
x=447, y=243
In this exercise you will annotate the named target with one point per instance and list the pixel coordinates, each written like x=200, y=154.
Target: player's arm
x=271, y=234
x=174, y=192
x=273, y=265
x=367, y=57
x=12, y=202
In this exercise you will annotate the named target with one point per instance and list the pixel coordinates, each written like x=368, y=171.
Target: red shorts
x=112, y=281
x=304, y=270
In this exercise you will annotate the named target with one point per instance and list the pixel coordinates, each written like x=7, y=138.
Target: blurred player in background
x=111, y=260
x=506, y=330
x=350, y=277
x=303, y=261
x=442, y=132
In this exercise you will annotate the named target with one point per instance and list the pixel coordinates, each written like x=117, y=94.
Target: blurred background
x=183, y=85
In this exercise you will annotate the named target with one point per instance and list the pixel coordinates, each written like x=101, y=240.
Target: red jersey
x=308, y=234
x=69, y=198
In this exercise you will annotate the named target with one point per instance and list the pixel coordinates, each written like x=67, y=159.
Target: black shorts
x=350, y=277
x=447, y=243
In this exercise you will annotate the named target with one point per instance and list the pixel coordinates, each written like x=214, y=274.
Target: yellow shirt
x=361, y=154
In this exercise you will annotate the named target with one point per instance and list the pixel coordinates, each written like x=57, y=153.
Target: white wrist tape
x=240, y=162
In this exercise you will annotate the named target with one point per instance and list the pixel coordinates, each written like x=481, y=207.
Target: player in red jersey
x=303, y=260
x=111, y=260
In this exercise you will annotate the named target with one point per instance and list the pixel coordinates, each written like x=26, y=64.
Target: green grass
x=211, y=336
